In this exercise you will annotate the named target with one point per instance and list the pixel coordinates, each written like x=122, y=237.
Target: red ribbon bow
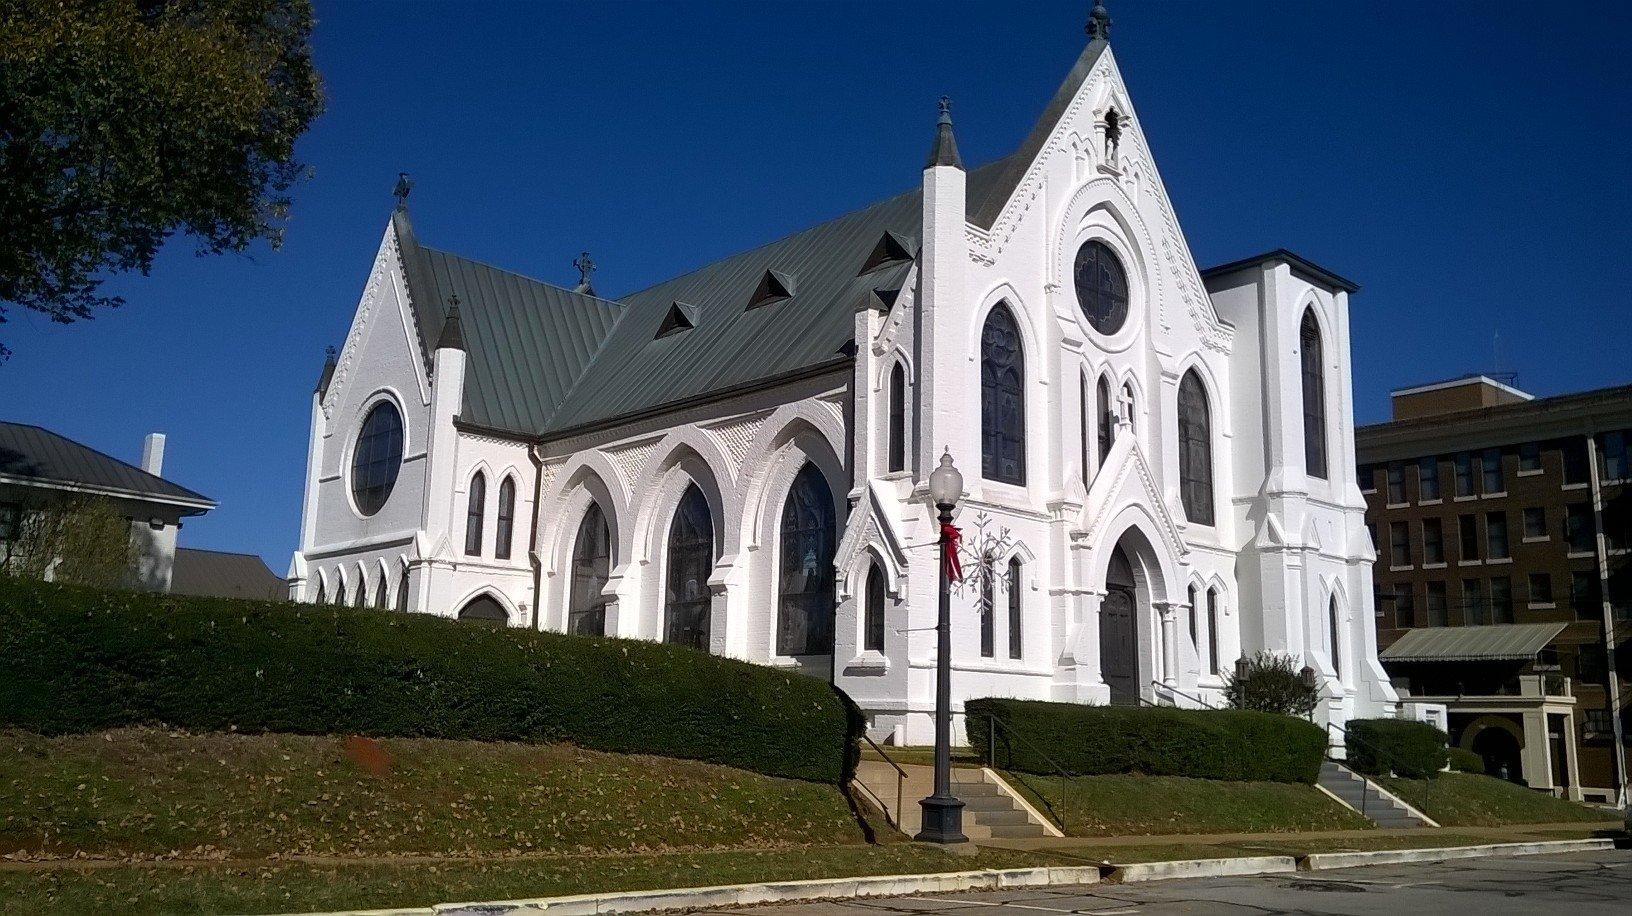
x=950, y=536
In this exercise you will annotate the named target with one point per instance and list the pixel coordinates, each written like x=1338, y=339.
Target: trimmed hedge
x=79, y=660
x=1413, y=750
x=1466, y=761
x=1034, y=736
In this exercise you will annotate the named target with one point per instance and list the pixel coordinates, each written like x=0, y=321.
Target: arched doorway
x=485, y=610
x=1118, y=632
x=1500, y=751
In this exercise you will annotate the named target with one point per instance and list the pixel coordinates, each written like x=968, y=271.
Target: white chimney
x=153, y=454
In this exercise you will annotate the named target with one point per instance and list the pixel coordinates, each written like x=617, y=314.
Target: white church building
x=1158, y=459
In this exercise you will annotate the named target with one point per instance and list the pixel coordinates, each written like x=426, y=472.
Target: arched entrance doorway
x=1118, y=632
x=1500, y=751
x=484, y=609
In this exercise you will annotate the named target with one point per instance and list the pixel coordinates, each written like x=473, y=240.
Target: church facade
x=1158, y=460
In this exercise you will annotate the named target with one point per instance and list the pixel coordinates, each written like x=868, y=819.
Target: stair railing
x=1383, y=757
x=1158, y=685
x=900, y=782
x=993, y=724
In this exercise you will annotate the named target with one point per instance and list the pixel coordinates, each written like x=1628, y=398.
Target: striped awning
x=1503, y=642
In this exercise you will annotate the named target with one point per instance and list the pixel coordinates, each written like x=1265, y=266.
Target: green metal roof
x=1502, y=642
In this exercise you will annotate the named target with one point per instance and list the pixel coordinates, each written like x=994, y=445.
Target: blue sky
x=1466, y=163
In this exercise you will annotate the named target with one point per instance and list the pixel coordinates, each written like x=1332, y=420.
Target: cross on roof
x=585, y=268
x=400, y=192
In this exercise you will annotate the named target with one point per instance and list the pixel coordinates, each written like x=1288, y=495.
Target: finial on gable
x=1099, y=22
x=945, y=150
x=453, y=330
x=400, y=192
x=585, y=268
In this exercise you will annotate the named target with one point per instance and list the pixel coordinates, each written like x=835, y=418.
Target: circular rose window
x=376, y=458
x=1102, y=287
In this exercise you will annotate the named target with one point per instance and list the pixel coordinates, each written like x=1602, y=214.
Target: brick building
x=1503, y=523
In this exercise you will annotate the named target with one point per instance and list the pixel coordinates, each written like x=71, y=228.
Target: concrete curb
x=1203, y=868
x=1325, y=860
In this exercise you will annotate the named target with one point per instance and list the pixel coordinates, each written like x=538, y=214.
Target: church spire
x=1099, y=22
x=945, y=150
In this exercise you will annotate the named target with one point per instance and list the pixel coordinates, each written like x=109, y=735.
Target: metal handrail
x=991, y=759
x=900, y=781
x=1189, y=696
x=1381, y=755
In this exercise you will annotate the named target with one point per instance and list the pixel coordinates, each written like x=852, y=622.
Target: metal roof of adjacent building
x=219, y=574
x=31, y=454
x=1501, y=642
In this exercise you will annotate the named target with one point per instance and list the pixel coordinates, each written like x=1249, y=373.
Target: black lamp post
x=942, y=820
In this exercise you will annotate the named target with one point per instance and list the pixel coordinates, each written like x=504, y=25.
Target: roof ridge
x=520, y=276
x=89, y=448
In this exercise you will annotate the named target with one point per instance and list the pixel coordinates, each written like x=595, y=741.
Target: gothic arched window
x=1002, y=399
x=898, y=418
x=1337, y=640
x=340, y=594
x=988, y=609
x=804, y=624
x=402, y=590
x=1015, y=609
x=1084, y=405
x=691, y=562
x=1314, y=397
x=872, y=638
x=505, y=531
x=322, y=592
x=1107, y=419
x=475, y=512
x=1102, y=287
x=591, y=567
x=362, y=588
x=381, y=601
x=1195, y=451
x=1212, y=631
x=1195, y=634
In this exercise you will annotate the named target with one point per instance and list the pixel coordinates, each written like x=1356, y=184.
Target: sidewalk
x=1429, y=835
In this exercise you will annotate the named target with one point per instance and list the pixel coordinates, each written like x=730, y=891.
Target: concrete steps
x=1364, y=798
x=989, y=810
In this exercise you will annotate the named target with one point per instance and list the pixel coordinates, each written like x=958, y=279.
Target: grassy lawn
x=148, y=793
x=1468, y=800
x=1136, y=805
x=273, y=887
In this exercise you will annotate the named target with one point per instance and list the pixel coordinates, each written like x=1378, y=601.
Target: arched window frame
x=988, y=611
x=586, y=603
x=1084, y=408
x=697, y=554
x=1195, y=450
x=376, y=455
x=322, y=591
x=877, y=599
x=1312, y=348
x=806, y=586
x=1107, y=418
x=475, y=514
x=504, y=531
x=897, y=433
x=360, y=596
x=1212, y=631
x=1016, y=606
x=1195, y=632
x=1002, y=397
x=382, y=598
x=402, y=590
x=340, y=589
x=1335, y=629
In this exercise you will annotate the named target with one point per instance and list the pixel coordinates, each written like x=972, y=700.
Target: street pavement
x=1576, y=883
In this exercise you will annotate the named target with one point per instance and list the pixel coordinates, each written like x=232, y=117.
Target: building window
x=1578, y=528
x=1396, y=482
x=1195, y=451
x=322, y=592
x=1541, y=588
x=1437, y=614
x=340, y=594
x=1575, y=461
x=1212, y=631
x=872, y=638
x=988, y=601
x=362, y=589
x=1107, y=419
x=1584, y=596
x=475, y=512
x=805, y=605
x=11, y=521
x=376, y=457
x=1102, y=287
x=1490, y=466
x=691, y=563
x=1501, y=600
x=1464, y=474
x=1467, y=527
x=1399, y=544
x=402, y=590
x=591, y=568
x=1002, y=399
x=1474, y=612
x=898, y=418
x=1314, y=397
x=1405, y=607
x=1195, y=614
x=1365, y=475
x=1433, y=541
x=1613, y=455
x=1085, y=406
x=1596, y=723
x=1335, y=633
x=1015, y=609
x=381, y=601
x=1530, y=456
x=1496, y=535
x=1428, y=478
x=1535, y=522
x=505, y=532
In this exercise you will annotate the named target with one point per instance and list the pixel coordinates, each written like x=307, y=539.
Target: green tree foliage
x=84, y=541
x=123, y=122
x=1271, y=682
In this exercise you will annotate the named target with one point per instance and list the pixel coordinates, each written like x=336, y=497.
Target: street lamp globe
x=945, y=482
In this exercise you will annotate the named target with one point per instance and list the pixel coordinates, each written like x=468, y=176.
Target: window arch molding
x=585, y=486
x=381, y=598
x=1332, y=618
x=1318, y=399
x=1000, y=302
x=1100, y=211
x=682, y=468
x=385, y=394
x=1195, y=410
x=478, y=501
x=884, y=390
x=506, y=499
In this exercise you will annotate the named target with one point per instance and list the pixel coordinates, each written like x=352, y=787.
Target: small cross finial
x=585, y=268
x=946, y=110
x=453, y=301
x=1099, y=22
x=400, y=192
x=330, y=352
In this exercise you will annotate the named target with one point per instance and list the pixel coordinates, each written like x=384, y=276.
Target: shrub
x=1035, y=736
x=1413, y=750
x=1466, y=761
x=1270, y=682
x=77, y=659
